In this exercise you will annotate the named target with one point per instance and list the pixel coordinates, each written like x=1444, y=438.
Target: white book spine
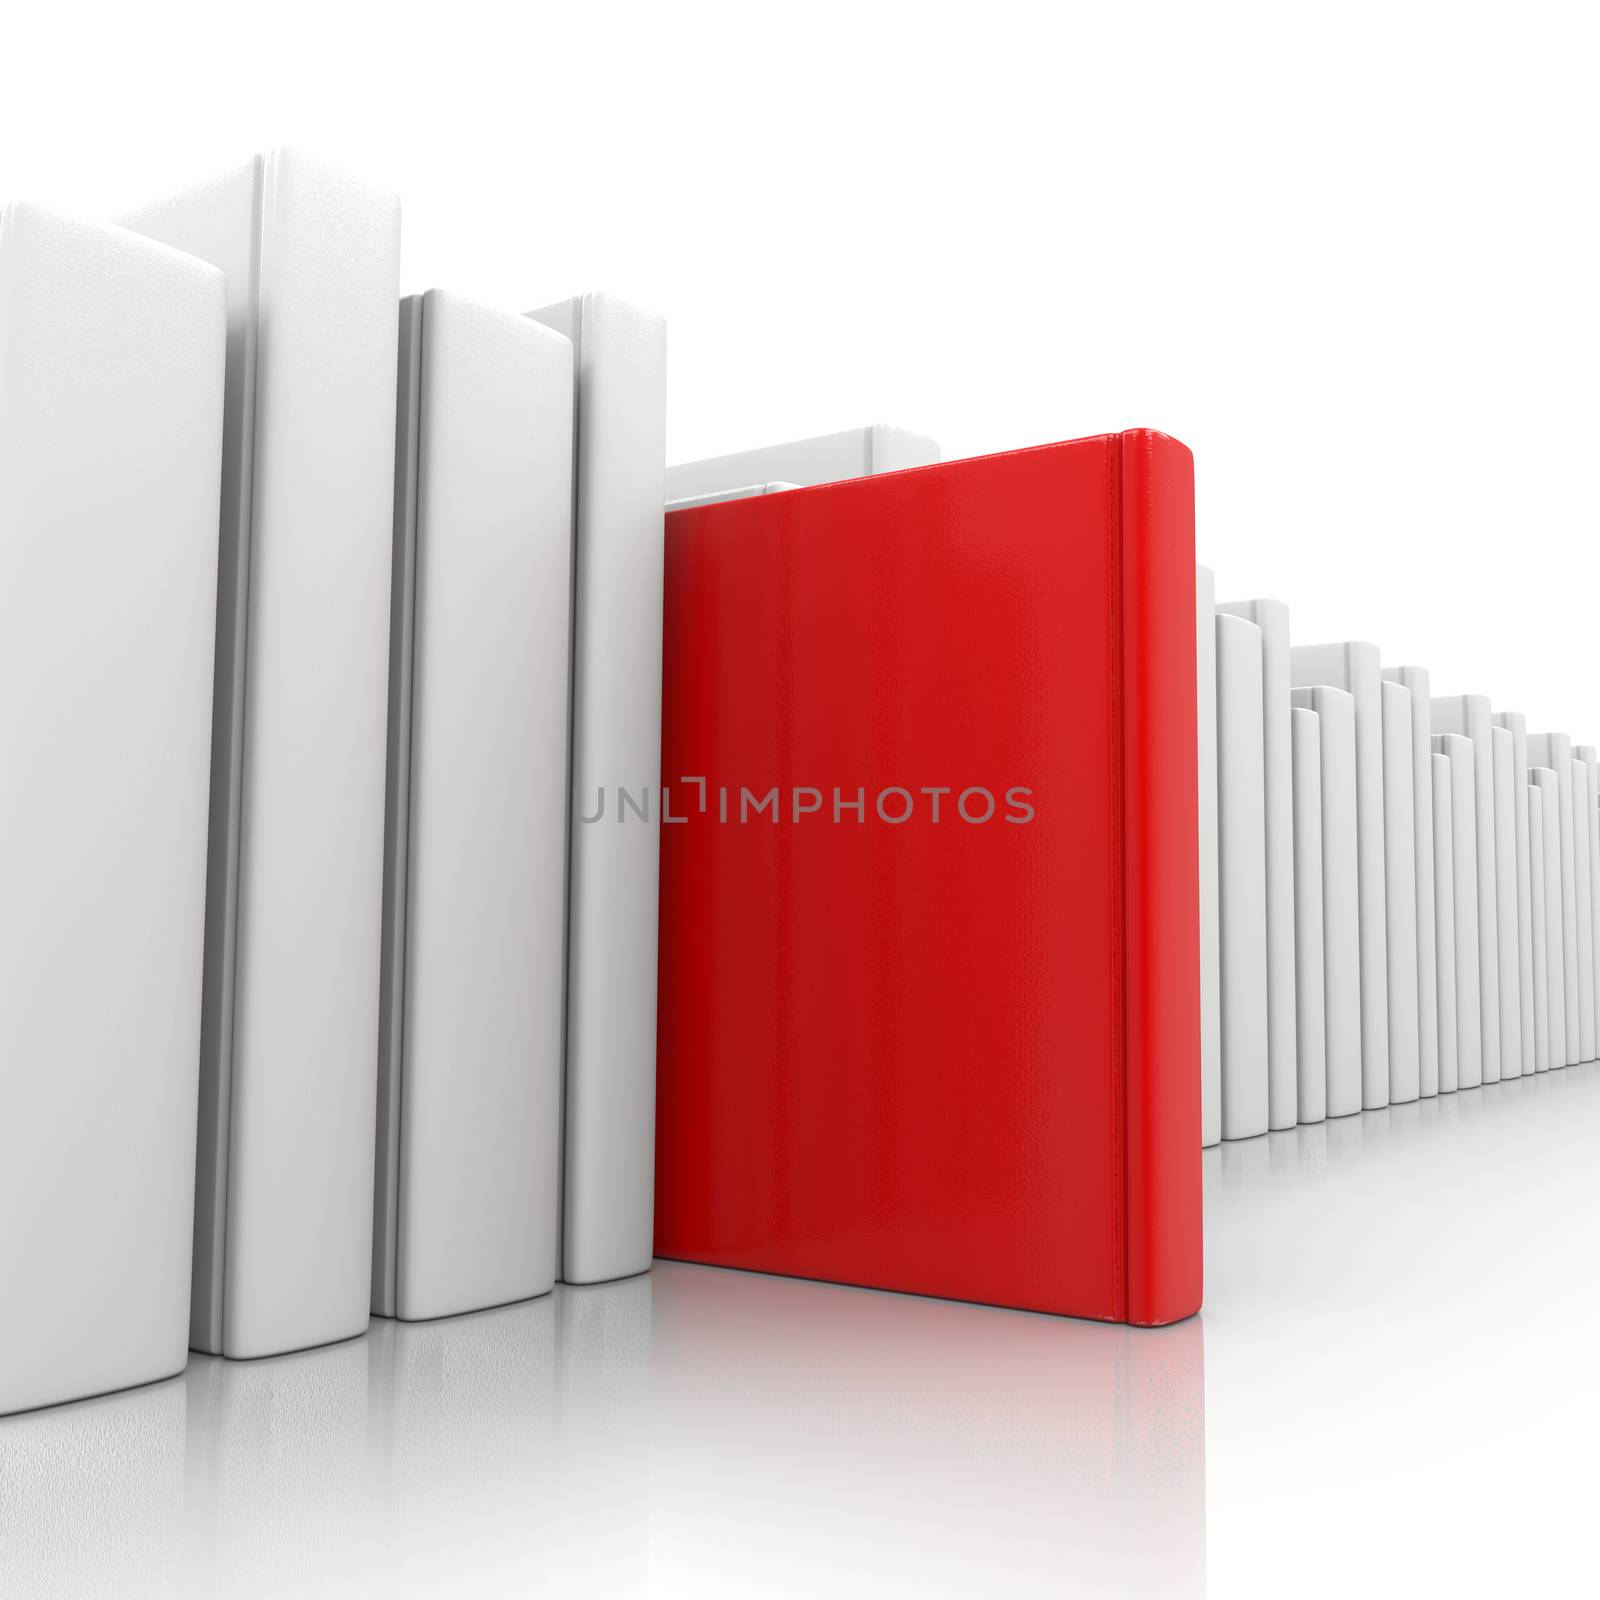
x=1590, y=757
x=1353, y=666
x=1464, y=831
x=1553, y=751
x=1583, y=887
x=608, y=1158
x=1416, y=680
x=827, y=458
x=1517, y=725
x=1311, y=1045
x=111, y=381
x=475, y=861
x=1444, y=893
x=1205, y=632
x=1272, y=617
x=1539, y=1010
x=1242, y=877
x=1548, y=783
x=1503, y=750
x=1468, y=716
x=283, y=1221
x=1341, y=895
x=1400, y=886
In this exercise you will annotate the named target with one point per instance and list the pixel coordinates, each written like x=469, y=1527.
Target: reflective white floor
x=1394, y=1386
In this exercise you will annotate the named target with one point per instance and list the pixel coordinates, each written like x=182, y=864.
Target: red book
x=929, y=1005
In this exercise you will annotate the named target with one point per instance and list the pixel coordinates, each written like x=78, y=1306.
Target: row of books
x=315, y=1005
x=1400, y=891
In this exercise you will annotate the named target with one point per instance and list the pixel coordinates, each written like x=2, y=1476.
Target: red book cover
x=929, y=1005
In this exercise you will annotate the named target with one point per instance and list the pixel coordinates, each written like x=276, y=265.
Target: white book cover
x=111, y=375
x=608, y=1160
x=1539, y=1010
x=1311, y=1044
x=283, y=1201
x=1205, y=632
x=827, y=458
x=1516, y=724
x=1468, y=716
x=474, y=928
x=1583, y=889
x=1272, y=617
x=1416, y=680
x=1400, y=887
x=1464, y=848
x=1353, y=667
x=1341, y=895
x=1548, y=783
x=1242, y=877
x=1553, y=752
x=1444, y=903
x=743, y=492
x=1503, y=750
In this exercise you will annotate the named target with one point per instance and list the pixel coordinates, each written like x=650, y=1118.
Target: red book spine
x=1158, y=964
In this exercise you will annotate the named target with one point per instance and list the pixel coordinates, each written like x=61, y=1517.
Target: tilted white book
x=111, y=375
x=608, y=1159
x=283, y=1198
x=474, y=926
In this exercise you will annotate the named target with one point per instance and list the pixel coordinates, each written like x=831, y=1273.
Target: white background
x=1348, y=255
x=1345, y=253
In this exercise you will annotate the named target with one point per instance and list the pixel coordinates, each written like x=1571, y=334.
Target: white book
x=1242, y=877
x=1583, y=887
x=1311, y=1044
x=1353, y=666
x=1553, y=751
x=1400, y=886
x=1272, y=618
x=1468, y=716
x=1517, y=725
x=1416, y=680
x=1464, y=851
x=1205, y=632
x=1590, y=757
x=828, y=458
x=1503, y=750
x=744, y=492
x=608, y=1161
x=111, y=368
x=289, y=1051
x=1341, y=895
x=1444, y=902
x=1539, y=1010
x=474, y=929
x=1547, y=781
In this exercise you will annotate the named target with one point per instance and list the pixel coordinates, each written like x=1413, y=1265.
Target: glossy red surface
x=952, y=1057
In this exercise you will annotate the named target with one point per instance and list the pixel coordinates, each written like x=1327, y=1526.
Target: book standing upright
x=294, y=889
